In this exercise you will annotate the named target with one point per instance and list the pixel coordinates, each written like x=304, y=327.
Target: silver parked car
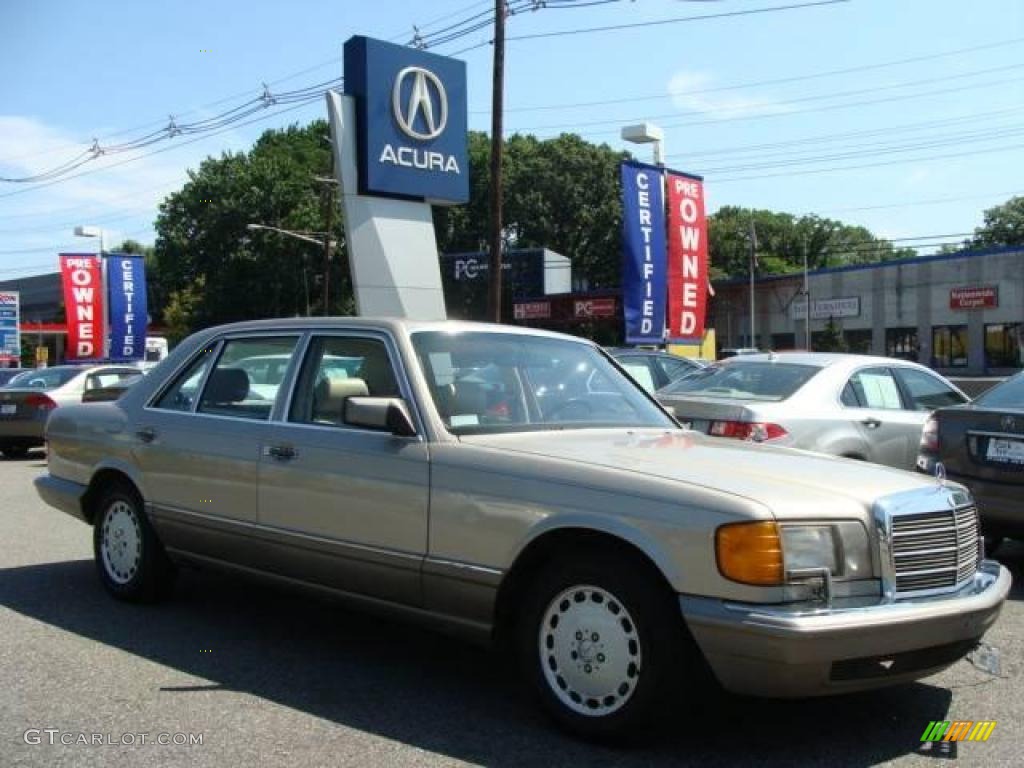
x=860, y=407
x=619, y=560
x=27, y=400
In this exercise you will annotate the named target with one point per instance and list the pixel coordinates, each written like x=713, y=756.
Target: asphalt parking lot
x=269, y=678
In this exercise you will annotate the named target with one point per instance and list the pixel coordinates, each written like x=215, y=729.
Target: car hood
x=788, y=481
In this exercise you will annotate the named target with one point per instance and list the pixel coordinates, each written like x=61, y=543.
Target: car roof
x=818, y=359
x=394, y=324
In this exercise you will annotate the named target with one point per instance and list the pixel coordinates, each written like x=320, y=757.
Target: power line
x=158, y=151
x=760, y=83
x=815, y=171
x=779, y=105
x=679, y=20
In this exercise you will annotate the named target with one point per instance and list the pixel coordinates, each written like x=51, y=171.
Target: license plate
x=1006, y=451
x=8, y=408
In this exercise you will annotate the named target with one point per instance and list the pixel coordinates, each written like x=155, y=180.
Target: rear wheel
x=603, y=644
x=130, y=559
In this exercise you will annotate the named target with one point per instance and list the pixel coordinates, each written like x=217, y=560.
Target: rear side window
x=742, y=380
x=1009, y=394
x=231, y=390
x=873, y=388
x=927, y=392
x=182, y=394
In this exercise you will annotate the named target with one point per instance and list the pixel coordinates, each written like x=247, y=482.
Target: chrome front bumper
x=797, y=650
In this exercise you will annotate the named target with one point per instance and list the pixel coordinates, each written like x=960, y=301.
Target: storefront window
x=949, y=346
x=859, y=341
x=901, y=343
x=1003, y=342
x=783, y=341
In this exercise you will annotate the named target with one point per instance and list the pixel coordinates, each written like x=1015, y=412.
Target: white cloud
x=695, y=92
x=120, y=197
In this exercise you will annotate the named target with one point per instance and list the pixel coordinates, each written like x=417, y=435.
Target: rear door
x=198, y=446
x=873, y=403
x=924, y=392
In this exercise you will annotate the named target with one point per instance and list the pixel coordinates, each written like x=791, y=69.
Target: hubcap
x=121, y=542
x=589, y=650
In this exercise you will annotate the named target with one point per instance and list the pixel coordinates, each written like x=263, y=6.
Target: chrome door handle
x=871, y=423
x=282, y=452
x=146, y=434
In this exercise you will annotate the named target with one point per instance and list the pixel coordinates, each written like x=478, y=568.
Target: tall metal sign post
x=400, y=145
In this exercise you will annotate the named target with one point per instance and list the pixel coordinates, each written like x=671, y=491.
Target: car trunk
x=23, y=404
x=698, y=412
x=981, y=444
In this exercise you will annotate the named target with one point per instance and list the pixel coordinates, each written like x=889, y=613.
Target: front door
x=345, y=506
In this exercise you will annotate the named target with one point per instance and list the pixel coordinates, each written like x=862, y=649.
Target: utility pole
x=753, y=266
x=329, y=197
x=807, y=300
x=330, y=184
x=497, y=104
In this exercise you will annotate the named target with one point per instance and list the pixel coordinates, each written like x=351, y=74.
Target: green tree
x=1004, y=225
x=782, y=238
x=561, y=193
x=211, y=269
x=831, y=339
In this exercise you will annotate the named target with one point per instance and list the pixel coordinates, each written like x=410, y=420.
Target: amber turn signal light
x=750, y=553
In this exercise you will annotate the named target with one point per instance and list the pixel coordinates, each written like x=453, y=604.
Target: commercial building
x=960, y=313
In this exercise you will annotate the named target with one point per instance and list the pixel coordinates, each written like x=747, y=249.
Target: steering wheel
x=582, y=407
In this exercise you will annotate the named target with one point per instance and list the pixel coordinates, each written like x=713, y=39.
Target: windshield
x=1009, y=394
x=44, y=378
x=743, y=380
x=495, y=382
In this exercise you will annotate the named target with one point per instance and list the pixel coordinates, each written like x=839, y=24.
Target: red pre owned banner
x=82, y=276
x=687, y=256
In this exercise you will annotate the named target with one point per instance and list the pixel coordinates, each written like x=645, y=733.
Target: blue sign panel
x=10, y=344
x=411, y=121
x=126, y=286
x=644, y=263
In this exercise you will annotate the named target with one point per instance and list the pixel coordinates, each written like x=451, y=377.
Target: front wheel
x=130, y=559
x=603, y=644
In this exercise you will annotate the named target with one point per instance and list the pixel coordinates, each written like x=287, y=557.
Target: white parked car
x=860, y=407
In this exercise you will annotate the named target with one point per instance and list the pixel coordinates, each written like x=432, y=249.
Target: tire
x=602, y=644
x=14, y=452
x=130, y=559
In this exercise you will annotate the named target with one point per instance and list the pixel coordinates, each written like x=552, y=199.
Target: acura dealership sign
x=410, y=121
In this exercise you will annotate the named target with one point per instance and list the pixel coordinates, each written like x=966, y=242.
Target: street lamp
x=327, y=244
x=647, y=133
x=87, y=231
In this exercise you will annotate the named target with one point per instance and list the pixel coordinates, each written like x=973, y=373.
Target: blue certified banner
x=410, y=121
x=126, y=288
x=644, y=263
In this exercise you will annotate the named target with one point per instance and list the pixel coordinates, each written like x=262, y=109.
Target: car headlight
x=840, y=547
x=768, y=554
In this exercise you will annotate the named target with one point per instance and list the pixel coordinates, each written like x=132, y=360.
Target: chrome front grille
x=934, y=550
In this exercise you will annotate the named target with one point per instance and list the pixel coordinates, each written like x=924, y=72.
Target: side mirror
x=383, y=413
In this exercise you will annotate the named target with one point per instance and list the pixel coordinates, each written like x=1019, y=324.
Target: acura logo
x=426, y=92
x=1008, y=423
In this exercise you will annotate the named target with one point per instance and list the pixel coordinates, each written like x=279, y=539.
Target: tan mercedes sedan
x=518, y=486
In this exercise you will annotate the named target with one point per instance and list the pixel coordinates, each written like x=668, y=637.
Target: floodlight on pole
x=647, y=133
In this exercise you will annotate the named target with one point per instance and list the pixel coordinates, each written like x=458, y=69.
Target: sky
x=904, y=116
